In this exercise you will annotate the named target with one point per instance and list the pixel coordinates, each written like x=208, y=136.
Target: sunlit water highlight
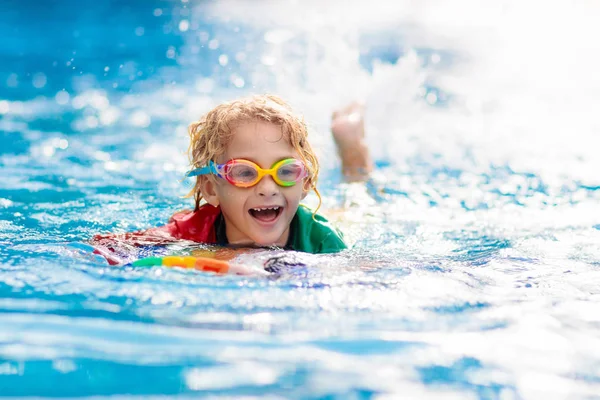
x=474, y=269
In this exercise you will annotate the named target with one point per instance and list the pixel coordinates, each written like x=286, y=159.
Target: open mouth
x=266, y=214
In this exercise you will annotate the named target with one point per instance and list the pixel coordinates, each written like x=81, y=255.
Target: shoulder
x=198, y=225
x=315, y=234
x=308, y=216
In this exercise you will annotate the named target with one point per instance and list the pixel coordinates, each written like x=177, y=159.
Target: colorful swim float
x=198, y=263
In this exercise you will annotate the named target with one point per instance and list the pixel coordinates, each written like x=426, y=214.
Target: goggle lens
x=241, y=173
x=291, y=172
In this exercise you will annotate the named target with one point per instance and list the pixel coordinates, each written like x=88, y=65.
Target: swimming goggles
x=245, y=173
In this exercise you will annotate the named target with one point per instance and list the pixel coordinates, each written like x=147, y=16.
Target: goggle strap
x=211, y=168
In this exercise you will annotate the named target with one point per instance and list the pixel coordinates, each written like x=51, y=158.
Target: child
x=253, y=164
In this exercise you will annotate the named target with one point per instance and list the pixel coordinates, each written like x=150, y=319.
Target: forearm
x=356, y=162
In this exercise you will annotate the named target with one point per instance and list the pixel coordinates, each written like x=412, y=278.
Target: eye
x=242, y=173
x=290, y=172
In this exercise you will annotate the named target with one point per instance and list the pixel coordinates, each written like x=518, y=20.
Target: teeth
x=266, y=208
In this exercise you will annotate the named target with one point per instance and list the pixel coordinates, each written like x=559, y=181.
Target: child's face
x=264, y=144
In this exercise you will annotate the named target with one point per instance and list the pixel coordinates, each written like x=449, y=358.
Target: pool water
x=473, y=271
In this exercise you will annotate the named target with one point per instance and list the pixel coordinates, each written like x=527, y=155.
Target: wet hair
x=210, y=135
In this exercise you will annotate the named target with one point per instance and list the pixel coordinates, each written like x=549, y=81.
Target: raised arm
x=348, y=130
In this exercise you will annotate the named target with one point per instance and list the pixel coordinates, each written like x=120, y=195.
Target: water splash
x=473, y=272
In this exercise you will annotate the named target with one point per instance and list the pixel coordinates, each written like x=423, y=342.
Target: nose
x=267, y=187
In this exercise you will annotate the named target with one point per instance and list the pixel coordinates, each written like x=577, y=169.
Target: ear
x=209, y=190
x=305, y=189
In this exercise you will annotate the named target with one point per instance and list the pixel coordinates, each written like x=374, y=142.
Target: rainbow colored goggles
x=244, y=173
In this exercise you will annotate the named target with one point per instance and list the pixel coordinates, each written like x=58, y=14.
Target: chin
x=271, y=240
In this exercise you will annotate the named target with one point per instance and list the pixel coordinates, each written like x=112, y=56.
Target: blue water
x=476, y=248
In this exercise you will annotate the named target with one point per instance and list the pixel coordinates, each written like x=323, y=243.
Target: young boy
x=253, y=165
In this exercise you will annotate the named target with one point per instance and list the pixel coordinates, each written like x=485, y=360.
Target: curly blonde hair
x=210, y=135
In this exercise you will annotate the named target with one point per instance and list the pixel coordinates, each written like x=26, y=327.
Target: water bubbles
x=240, y=56
x=236, y=374
x=140, y=119
x=237, y=80
x=157, y=12
x=78, y=102
x=39, y=80
x=64, y=366
x=5, y=203
x=12, y=80
x=9, y=369
x=223, y=60
x=171, y=52
x=90, y=122
x=62, y=97
x=184, y=25
x=431, y=98
x=92, y=98
x=4, y=106
x=213, y=44
x=111, y=166
x=109, y=115
x=50, y=147
x=139, y=31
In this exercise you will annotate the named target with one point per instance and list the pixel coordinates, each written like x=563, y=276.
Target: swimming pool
x=474, y=274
